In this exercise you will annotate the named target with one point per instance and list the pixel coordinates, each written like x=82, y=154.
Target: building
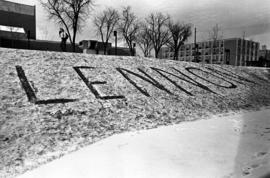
x=265, y=53
x=233, y=51
x=18, y=29
x=264, y=57
x=96, y=47
x=20, y=19
x=93, y=46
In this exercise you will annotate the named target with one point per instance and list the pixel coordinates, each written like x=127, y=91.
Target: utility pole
x=195, y=45
x=243, y=46
x=195, y=31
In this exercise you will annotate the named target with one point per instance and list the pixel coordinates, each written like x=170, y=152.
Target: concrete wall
x=18, y=15
x=17, y=8
x=36, y=45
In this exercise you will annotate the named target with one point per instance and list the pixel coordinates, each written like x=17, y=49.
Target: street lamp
x=115, y=35
x=227, y=55
x=134, y=45
x=28, y=39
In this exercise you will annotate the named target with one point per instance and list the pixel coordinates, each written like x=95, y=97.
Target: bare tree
x=143, y=40
x=215, y=34
x=70, y=14
x=129, y=27
x=179, y=33
x=159, y=33
x=106, y=23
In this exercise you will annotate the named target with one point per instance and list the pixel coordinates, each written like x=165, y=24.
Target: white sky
x=234, y=17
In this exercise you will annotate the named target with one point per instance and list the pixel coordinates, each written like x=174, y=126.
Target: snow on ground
x=237, y=146
x=54, y=103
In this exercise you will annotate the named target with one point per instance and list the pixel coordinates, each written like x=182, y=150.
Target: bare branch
x=158, y=31
x=69, y=13
x=105, y=23
x=129, y=27
x=144, y=40
x=179, y=33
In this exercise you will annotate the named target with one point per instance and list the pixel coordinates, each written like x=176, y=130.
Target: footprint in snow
x=260, y=154
x=267, y=130
x=248, y=169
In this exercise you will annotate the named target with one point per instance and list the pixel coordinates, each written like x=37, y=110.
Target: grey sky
x=234, y=17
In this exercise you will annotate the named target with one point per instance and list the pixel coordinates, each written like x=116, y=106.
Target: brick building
x=232, y=51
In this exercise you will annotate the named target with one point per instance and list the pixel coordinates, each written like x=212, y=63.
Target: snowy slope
x=53, y=103
x=234, y=146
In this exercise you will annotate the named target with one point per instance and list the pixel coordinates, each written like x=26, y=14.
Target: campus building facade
x=233, y=51
x=17, y=16
x=265, y=53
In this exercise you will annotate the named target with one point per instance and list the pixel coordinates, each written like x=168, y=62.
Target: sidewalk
x=232, y=146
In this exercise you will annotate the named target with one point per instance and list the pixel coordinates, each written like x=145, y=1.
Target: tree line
x=150, y=33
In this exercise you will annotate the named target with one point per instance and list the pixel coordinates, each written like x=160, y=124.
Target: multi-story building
x=264, y=57
x=14, y=17
x=18, y=29
x=265, y=53
x=233, y=51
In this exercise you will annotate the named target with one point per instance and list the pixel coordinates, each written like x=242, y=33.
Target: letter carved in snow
x=31, y=94
x=91, y=85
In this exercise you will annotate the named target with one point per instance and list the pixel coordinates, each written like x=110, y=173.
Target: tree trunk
x=105, y=48
x=145, y=53
x=156, y=53
x=131, y=51
x=176, y=52
x=73, y=46
x=74, y=39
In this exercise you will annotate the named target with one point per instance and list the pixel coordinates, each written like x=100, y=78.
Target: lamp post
x=28, y=39
x=227, y=55
x=115, y=35
x=134, y=45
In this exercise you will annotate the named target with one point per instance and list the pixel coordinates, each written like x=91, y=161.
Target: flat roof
x=17, y=8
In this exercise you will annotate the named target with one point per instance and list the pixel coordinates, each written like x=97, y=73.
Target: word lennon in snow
x=222, y=74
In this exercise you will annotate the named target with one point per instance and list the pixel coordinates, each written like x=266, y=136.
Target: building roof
x=17, y=8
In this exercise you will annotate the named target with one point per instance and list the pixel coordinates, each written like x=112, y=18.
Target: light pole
x=227, y=55
x=134, y=45
x=115, y=35
x=28, y=39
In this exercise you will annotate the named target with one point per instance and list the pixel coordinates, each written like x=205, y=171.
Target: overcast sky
x=234, y=17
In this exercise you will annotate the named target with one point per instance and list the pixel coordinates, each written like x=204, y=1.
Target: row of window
x=214, y=58
x=185, y=48
x=193, y=54
x=246, y=57
x=200, y=45
x=248, y=43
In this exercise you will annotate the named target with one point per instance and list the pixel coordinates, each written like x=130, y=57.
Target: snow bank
x=233, y=146
x=53, y=103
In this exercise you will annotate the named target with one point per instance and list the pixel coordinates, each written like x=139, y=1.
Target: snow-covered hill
x=53, y=103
